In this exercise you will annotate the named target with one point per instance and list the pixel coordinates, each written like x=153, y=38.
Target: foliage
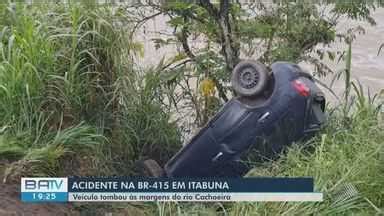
x=227, y=31
x=144, y=129
x=345, y=160
x=69, y=89
x=346, y=156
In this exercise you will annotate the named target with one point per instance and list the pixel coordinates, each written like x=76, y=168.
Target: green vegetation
x=227, y=31
x=74, y=102
x=345, y=160
x=68, y=87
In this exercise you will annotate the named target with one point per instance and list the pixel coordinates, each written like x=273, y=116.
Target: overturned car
x=273, y=108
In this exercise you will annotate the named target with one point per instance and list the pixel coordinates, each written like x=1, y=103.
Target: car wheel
x=249, y=78
x=150, y=168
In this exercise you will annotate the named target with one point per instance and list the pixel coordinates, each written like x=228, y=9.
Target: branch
x=142, y=21
x=224, y=8
x=380, y=48
x=184, y=41
x=229, y=49
x=175, y=66
x=209, y=7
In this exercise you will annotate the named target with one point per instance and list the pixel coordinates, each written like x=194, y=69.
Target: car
x=272, y=108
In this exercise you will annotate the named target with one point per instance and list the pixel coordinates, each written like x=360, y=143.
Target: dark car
x=273, y=108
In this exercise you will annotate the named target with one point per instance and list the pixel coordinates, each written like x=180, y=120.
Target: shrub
x=69, y=87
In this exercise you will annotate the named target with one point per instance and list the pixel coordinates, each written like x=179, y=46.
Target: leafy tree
x=281, y=30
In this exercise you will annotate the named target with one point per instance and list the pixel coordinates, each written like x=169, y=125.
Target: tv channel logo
x=44, y=189
x=44, y=184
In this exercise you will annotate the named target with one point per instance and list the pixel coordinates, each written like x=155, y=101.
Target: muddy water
x=367, y=64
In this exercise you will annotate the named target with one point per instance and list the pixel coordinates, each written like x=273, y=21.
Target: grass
x=72, y=102
x=345, y=159
x=346, y=162
x=68, y=83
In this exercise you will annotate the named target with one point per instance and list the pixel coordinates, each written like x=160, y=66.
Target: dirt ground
x=11, y=205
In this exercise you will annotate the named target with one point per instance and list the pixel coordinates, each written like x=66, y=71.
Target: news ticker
x=128, y=189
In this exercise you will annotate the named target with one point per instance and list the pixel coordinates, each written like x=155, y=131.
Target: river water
x=367, y=64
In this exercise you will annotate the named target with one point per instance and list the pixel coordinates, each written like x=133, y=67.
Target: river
x=367, y=64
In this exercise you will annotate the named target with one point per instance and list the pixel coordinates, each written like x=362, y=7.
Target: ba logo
x=44, y=185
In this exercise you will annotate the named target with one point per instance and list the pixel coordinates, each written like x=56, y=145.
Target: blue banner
x=124, y=184
x=44, y=197
x=130, y=189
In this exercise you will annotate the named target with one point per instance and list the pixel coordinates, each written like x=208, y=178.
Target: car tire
x=150, y=168
x=249, y=78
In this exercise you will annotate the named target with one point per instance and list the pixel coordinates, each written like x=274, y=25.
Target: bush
x=69, y=88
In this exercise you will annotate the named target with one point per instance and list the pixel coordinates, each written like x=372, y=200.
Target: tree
x=282, y=30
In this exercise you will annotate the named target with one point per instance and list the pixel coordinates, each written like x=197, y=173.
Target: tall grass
x=345, y=159
x=68, y=83
x=346, y=162
x=144, y=127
